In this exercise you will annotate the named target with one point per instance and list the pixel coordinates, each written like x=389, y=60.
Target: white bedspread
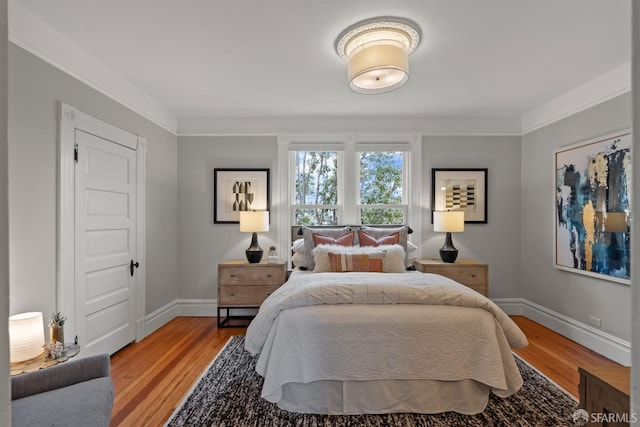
x=305, y=289
x=371, y=343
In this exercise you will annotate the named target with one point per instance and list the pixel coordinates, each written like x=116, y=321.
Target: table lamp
x=26, y=336
x=448, y=222
x=254, y=222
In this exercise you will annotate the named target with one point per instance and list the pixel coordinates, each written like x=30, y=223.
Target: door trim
x=70, y=120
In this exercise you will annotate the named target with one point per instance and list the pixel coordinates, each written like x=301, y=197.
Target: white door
x=105, y=244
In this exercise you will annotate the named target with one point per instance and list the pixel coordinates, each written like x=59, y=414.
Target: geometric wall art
x=460, y=190
x=237, y=190
x=593, y=207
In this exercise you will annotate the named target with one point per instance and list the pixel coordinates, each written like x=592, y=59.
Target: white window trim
x=348, y=142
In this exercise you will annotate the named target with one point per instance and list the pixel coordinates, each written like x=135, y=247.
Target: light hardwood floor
x=152, y=377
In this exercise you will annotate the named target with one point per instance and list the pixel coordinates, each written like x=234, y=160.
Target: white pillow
x=393, y=261
x=298, y=246
x=299, y=260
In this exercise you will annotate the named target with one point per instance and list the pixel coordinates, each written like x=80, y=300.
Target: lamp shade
x=377, y=53
x=26, y=336
x=448, y=221
x=254, y=221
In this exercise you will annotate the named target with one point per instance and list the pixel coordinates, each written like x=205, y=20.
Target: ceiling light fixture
x=377, y=53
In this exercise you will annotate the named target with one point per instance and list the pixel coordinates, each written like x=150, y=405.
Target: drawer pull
x=268, y=275
x=232, y=275
x=473, y=275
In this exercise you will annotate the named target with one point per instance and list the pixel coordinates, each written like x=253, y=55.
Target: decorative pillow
x=371, y=262
x=307, y=235
x=368, y=240
x=392, y=257
x=321, y=239
x=402, y=231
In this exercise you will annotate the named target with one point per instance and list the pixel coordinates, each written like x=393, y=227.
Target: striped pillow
x=344, y=262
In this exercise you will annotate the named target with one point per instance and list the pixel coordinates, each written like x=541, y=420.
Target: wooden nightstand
x=468, y=272
x=605, y=390
x=245, y=285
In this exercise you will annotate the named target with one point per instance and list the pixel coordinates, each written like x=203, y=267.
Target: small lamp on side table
x=254, y=222
x=26, y=336
x=448, y=222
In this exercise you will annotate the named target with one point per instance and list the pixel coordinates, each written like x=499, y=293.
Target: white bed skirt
x=385, y=397
x=357, y=359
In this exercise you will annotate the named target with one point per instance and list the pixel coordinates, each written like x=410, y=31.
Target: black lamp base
x=254, y=256
x=254, y=252
x=448, y=252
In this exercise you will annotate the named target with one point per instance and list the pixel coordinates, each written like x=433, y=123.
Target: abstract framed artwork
x=460, y=190
x=236, y=190
x=593, y=207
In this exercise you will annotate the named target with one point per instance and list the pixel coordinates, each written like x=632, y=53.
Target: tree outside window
x=382, y=188
x=380, y=182
x=316, y=188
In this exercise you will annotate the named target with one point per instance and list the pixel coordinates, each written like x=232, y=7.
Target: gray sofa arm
x=61, y=375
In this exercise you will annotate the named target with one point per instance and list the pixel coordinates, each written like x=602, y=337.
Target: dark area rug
x=228, y=394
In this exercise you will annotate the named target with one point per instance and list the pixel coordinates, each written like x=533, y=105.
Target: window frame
x=406, y=155
x=282, y=197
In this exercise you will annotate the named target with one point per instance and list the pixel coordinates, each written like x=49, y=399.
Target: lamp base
x=254, y=251
x=448, y=252
x=448, y=255
x=254, y=257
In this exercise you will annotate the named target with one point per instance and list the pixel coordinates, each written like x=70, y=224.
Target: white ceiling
x=242, y=58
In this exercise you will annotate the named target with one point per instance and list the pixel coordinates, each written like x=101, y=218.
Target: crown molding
x=36, y=37
x=603, y=88
x=225, y=126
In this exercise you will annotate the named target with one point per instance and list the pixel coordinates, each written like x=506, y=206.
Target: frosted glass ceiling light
x=377, y=53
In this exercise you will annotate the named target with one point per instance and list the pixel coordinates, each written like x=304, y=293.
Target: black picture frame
x=236, y=189
x=458, y=189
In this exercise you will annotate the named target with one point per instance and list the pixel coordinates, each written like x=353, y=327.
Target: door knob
x=132, y=266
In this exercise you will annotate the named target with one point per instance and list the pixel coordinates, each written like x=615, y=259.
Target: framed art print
x=593, y=207
x=460, y=190
x=236, y=190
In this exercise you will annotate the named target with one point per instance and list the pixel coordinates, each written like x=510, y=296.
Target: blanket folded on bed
x=304, y=289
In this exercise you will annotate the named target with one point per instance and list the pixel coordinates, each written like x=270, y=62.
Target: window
x=382, y=182
x=315, y=200
x=372, y=191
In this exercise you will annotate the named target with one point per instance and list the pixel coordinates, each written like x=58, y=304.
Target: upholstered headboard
x=296, y=230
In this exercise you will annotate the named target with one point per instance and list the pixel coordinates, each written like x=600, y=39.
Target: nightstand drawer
x=257, y=276
x=469, y=275
x=241, y=295
x=468, y=272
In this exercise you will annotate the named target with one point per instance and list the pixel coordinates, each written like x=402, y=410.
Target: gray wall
x=36, y=90
x=573, y=295
x=496, y=243
x=201, y=243
x=5, y=388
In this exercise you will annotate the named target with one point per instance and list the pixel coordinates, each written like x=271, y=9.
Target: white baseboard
x=601, y=342
x=160, y=317
x=197, y=307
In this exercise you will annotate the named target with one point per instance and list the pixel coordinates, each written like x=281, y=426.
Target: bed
x=359, y=342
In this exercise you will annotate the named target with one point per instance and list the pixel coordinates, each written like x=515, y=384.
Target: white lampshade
x=254, y=221
x=448, y=221
x=377, y=53
x=26, y=336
